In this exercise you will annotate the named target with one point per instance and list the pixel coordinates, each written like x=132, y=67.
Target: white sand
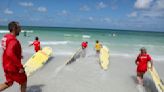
x=85, y=75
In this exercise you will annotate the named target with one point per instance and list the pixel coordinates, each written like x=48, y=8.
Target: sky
x=146, y=15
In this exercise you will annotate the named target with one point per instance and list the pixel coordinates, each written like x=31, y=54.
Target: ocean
x=121, y=43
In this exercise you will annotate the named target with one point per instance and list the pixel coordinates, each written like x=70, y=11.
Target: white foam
x=4, y=31
x=122, y=54
x=52, y=42
x=113, y=35
x=158, y=58
x=7, y=31
x=28, y=31
x=145, y=45
x=86, y=36
x=67, y=35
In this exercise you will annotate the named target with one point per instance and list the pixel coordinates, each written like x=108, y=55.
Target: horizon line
x=132, y=30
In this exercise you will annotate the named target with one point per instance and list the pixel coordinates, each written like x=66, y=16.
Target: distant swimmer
x=25, y=34
x=84, y=45
x=11, y=59
x=98, y=46
x=113, y=35
x=36, y=44
x=141, y=62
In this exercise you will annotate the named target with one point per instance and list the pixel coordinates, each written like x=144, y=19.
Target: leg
x=8, y=83
x=21, y=78
x=140, y=78
x=84, y=52
x=97, y=52
x=4, y=86
x=23, y=87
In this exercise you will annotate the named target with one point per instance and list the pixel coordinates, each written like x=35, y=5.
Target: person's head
x=97, y=41
x=14, y=28
x=86, y=42
x=36, y=38
x=143, y=50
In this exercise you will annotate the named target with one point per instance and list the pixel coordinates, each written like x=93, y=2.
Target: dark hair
x=36, y=38
x=12, y=26
x=86, y=42
x=97, y=41
x=143, y=49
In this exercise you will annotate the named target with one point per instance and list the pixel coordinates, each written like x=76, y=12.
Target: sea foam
x=52, y=42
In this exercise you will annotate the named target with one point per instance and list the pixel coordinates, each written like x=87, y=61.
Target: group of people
x=12, y=55
x=98, y=46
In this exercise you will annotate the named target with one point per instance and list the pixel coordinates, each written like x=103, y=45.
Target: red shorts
x=141, y=69
x=98, y=51
x=17, y=77
x=37, y=49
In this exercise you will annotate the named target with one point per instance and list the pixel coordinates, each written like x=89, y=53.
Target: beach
x=85, y=74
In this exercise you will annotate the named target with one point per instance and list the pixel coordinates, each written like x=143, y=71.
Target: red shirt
x=84, y=45
x=142, y=60
x=36, y=44
x=12, y=53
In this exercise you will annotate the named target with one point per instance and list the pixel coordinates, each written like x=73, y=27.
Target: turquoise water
x=121, y=43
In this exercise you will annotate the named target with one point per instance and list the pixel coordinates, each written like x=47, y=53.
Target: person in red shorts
x=12, y=55
x=36, y=44
x=142, y=62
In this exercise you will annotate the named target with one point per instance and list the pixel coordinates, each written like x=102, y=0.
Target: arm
x=40, y=48
x=31, y=44
x=150, y=60
x=136, y=62
x=11, y=54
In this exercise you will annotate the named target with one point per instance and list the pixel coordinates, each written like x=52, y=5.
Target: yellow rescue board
x=37, y=60
x=156, y=79
x=104, y=58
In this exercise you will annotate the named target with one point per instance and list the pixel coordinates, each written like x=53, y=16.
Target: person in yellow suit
x=98, y=46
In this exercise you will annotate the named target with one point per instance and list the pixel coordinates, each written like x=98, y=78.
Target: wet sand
x=86, y=75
